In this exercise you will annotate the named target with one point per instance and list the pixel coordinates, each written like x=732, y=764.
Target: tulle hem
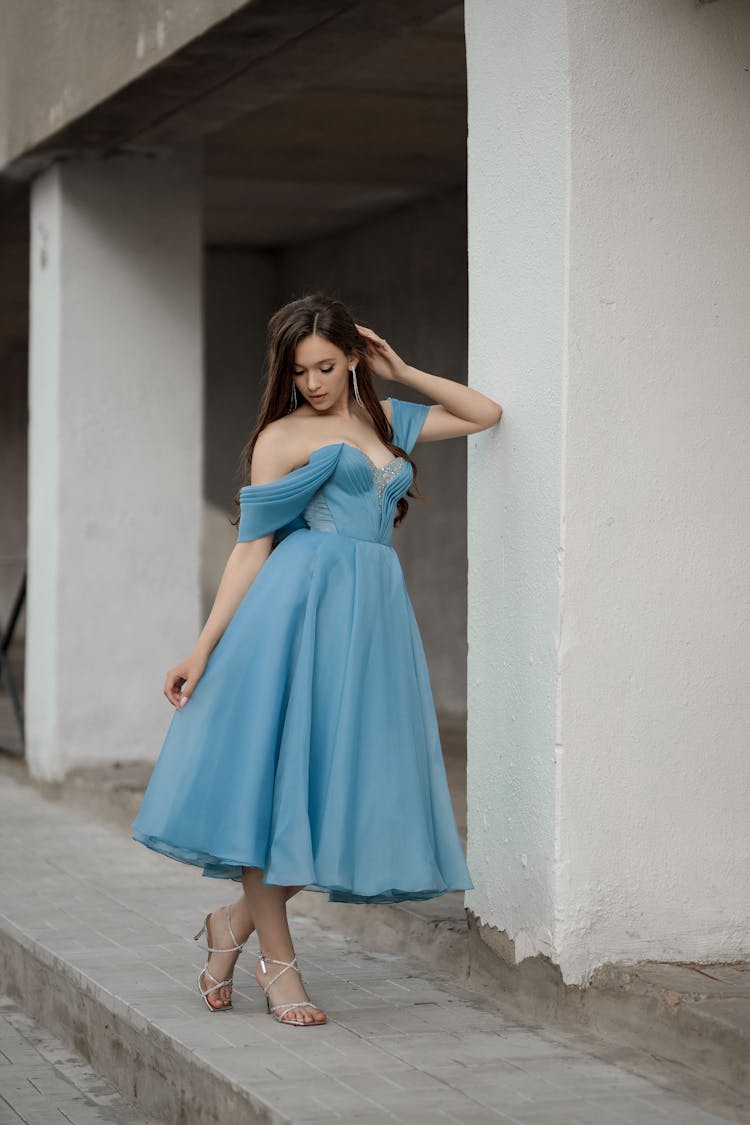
x=215, y=867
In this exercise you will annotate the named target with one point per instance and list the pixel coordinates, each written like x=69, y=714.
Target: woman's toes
x=214, y=998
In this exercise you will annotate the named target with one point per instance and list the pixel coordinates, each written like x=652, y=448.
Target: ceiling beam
x=262, y=54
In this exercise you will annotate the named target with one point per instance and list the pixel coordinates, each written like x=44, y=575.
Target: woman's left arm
x=459, y=411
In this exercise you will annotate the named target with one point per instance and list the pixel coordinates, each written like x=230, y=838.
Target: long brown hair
x=289, y=325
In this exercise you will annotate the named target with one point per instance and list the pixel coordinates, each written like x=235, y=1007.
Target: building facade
x=547, y=200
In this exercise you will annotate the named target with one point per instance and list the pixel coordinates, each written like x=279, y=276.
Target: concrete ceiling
x=313, y=118
x=377, y=131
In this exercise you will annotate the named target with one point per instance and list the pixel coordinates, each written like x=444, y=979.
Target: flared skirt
x=310, y=746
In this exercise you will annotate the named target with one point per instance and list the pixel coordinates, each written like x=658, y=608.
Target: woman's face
x=321, y=372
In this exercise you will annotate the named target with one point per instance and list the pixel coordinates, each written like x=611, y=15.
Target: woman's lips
x=316, y=398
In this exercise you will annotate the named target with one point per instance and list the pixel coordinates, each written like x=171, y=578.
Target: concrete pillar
x=517, y=187
x=608, y=535
x=115, y=454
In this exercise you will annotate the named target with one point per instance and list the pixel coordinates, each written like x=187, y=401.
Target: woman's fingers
x=369, y=332
x=373, y=339
x=187, y=691
x=181, y=680
x=172, y=685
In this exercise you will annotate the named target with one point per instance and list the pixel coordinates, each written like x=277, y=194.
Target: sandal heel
x=205, y=970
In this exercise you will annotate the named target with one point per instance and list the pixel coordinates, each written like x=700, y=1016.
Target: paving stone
x=43, y=1082
x=402, y=1043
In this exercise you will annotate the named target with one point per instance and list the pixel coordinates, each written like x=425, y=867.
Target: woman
x=304, y=750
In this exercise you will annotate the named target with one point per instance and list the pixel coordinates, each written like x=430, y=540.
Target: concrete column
x=608, y=535
x=115, y=454
x=654, y=780
x=517, y=186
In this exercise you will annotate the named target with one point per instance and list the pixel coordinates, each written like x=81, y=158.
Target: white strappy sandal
x=273, y=1009
x=214, y=949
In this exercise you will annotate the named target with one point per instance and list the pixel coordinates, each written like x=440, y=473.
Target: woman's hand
x=181, y=680
x=384, y=362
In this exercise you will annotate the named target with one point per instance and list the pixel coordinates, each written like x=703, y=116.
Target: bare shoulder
x=386, y=404
x=273, y=452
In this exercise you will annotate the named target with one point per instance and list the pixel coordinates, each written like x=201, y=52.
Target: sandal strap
x=282, y=1009
x=213, y=987
x=237, y=944
x=298, y=1004
x=217, y=949
x=272, y=960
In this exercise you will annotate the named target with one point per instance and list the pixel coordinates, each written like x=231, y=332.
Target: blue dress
x=310, y=746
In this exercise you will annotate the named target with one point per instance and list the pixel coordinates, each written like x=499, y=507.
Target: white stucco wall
x=517, y=73
x=608, y=529
x=115, y=455
x=654, y=773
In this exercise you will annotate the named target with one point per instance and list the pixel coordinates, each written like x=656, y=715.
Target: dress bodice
x=339, y=489
x=318, y=514
x=359, y=497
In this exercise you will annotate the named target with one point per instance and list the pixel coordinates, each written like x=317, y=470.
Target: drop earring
x=293, y=399
x=354, y=384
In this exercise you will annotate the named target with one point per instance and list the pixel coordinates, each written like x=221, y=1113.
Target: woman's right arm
x=270, y=458
x=242, y=566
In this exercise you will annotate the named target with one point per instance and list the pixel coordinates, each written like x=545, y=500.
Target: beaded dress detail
x=384, y=473
x=310, y=747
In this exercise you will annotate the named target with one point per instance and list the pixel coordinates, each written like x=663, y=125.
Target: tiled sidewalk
x=111, y=925
x=42, y=1080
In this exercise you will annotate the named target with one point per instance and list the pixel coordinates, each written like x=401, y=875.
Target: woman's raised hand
x=181, y=680
x=383, y=361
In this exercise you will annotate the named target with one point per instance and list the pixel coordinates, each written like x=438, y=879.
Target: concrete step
x=96, y=944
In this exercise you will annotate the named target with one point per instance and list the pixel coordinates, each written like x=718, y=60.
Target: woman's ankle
x=241, y=920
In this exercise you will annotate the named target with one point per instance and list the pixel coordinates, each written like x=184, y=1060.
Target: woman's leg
x=268, y=906
x=220, y=965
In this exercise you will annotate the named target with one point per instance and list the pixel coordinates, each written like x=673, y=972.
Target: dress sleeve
x=407, y=419
x=277, y=506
